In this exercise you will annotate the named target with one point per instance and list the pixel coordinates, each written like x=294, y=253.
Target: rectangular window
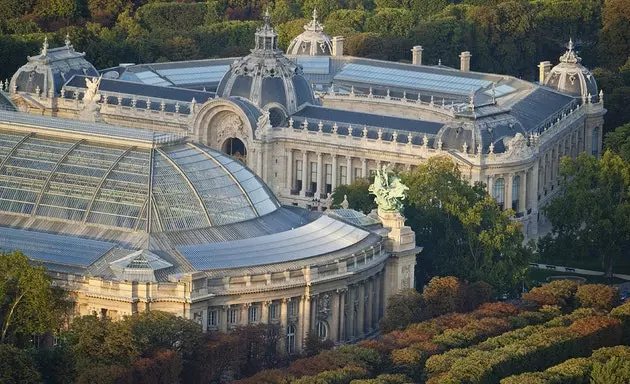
x=293, y=307
x=233, y=315
x=343, y=175
x=253, y=315
x=273, y=311
x=358, y=173
x=328, y=177
x=213, y=318
x=313, y=176
x=298, y=170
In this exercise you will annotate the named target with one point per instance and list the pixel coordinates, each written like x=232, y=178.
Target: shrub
x=403, y=309
x=558, y=292
x=598, y=296
x=444, y=295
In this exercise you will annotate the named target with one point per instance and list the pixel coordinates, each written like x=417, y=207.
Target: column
x=351, y=298
x=490, y=184
x=522, y=192
x=334, y=171
x=289, y=170
x=284, y=323
x=361, y=309
x=299, y=331
x=342, y=310
x=244, y=316
x=304, y=173
x=319, y=175
x=336, y=313
x=204, y=320
x=534, y=200
x=264, y=312
x=600, y=134
x=377, y=298
x=259, y=162
x=306, y=317
x=508, y=199
x=364, y=168
x=349, y=170
x=223, y=319
x=370, y=288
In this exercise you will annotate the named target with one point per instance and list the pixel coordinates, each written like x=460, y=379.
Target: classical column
x=223, y=320
x=334, y=171
x=351, y=299
x=522, y=192
x=299, y=331
x=259, y=162
x=364, y=168
x=342, y=310
x=204, y=320
x=304, y=173
x=264, y=312
x=508, y=194
x=370, y=289
x=319, y=175
x=336, y=313
x=289, y=170
x=306, y=318
x=534, y=199
x=361, y=309
x=244, y=316
x=600, y=133
x=490, y=184
x=349, y=172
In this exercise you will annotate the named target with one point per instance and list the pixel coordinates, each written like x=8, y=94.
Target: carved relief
x=405, y=276
x=517, y=147
x=323, y=305
x=231, y=126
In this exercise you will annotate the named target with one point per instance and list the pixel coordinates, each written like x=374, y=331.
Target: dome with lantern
x=571, y=77
x=313, y=41
x=268, y=78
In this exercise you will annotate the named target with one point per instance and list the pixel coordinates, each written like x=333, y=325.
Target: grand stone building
x=131, y=220
x=314, y=119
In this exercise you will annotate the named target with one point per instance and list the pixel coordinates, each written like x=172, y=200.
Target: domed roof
x=50, y=70
x=313, y=41
x=266, y=77
x=571, y=77
x=173, y=186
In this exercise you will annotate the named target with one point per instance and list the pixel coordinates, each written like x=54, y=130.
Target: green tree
x=593, y=210
x=17, y=366
x=28, y=303
x=614, y=371
x=618, y=141
x=462, y=229
x=359, y=198
x=403, y=308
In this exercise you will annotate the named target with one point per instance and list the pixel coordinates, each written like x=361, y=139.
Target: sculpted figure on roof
x=388, y=190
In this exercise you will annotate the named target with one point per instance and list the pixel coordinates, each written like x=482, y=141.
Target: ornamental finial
x=67, y=41
x=45, y=47
x=314, y=14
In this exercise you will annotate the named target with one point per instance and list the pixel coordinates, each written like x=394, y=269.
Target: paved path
x=578, y=271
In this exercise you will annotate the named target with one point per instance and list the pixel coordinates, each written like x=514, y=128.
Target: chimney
x=543, y=70
x=337, y=45
x=416, y=55
x=464, y=63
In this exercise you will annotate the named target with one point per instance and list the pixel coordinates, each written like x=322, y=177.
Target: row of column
x=351, y=312
x=334, y=160
x=501, y=187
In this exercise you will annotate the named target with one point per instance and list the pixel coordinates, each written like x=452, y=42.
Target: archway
x=236, y=148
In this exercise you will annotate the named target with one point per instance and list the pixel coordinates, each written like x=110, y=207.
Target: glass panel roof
x=53, y=248
x=192, y=75
x=314, y=65
x=439, y=83
x=192, y=186
x=501, y=90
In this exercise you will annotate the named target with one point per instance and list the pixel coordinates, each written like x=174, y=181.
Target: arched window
x=595, y=138
x=498, y=192
x=516, y=183
x=322, y=330
x=291, y=339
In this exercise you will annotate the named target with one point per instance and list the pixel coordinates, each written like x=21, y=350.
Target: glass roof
x=314, y=65
x=53, y=248
x=439, y=83
x=194, y=75
x=185, y=185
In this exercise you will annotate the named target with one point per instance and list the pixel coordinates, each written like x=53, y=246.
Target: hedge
x=530, y=348
x=572, y=371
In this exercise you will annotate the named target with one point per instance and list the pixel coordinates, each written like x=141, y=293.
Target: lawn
x=537, y=275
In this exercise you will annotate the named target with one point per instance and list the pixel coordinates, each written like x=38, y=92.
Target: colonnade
x=343, y=314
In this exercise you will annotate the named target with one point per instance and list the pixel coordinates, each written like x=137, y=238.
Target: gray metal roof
x=319, y=237
x=358, y=119
x=51, y=248
x=539, y=106
x=90, y=130
x=151, y=91
x=5, y=103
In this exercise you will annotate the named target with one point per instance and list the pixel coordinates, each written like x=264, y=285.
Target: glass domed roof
x=172, y=187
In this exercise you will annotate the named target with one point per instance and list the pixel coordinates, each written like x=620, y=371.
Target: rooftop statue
x=388, y=189
x=92, y=89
